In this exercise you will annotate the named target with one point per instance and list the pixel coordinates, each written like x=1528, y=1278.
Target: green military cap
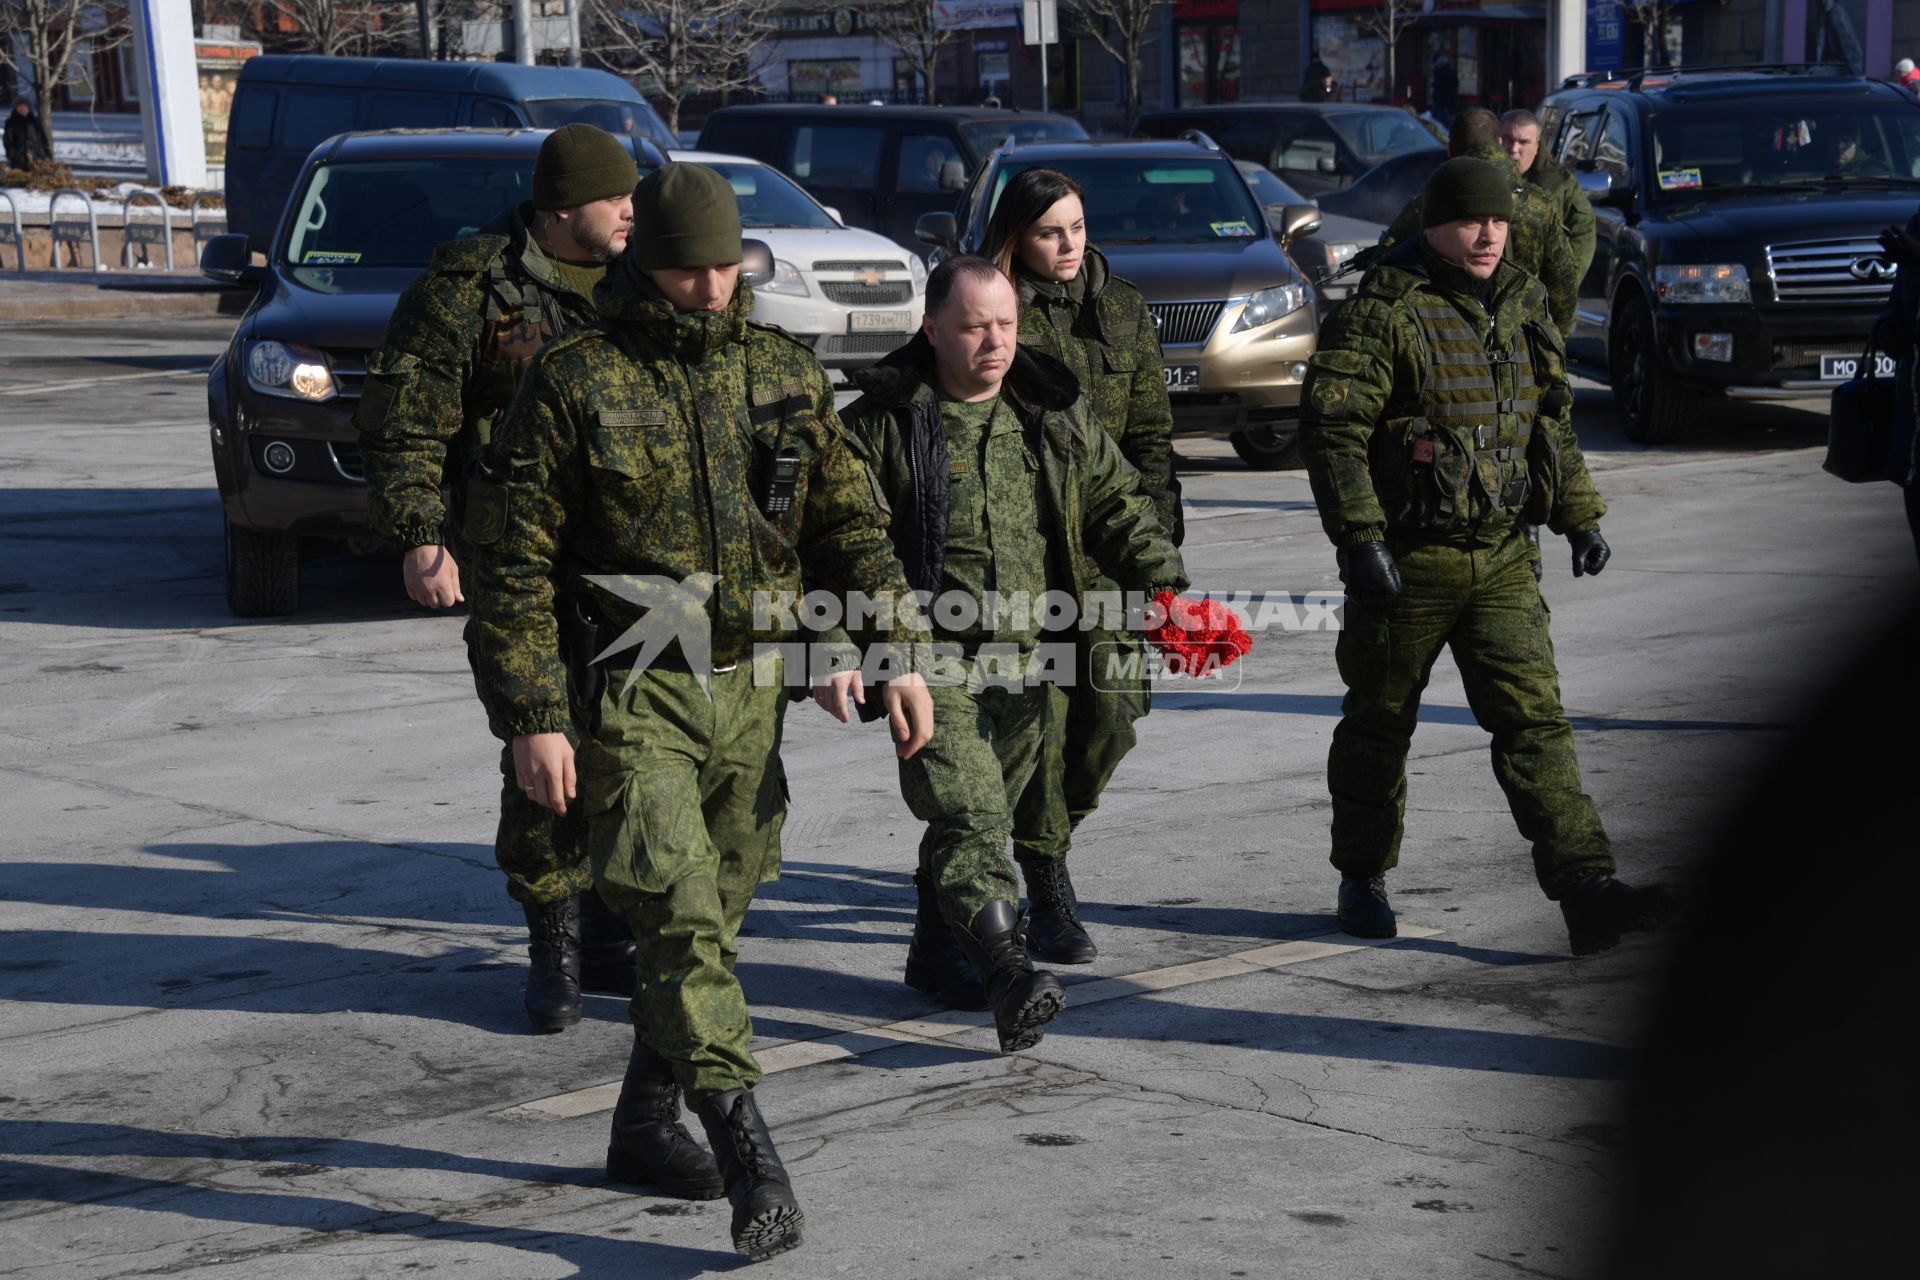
x=684, y=215
x=1464, y=187
x=579, y=164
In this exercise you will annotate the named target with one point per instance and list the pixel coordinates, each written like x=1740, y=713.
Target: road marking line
x=934, y=1028
x=111, y=377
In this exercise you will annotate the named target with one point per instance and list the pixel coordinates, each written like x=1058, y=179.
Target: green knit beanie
x=684, y=215
x=1465, y=188
x=579, y=164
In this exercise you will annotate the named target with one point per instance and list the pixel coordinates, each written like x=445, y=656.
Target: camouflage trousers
x=543, y=854
x=684, y=798
x=1484, y=605
x=1089, y=733
x=964, y=784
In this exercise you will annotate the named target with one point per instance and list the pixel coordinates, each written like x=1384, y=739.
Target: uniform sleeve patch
x=1330, y=394
x=650, y=417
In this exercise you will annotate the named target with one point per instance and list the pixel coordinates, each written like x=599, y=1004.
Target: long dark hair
x=1029, y=195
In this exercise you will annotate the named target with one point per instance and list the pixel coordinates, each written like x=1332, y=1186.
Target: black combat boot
x=1024, y=1000
x=1054, y=931
x=1364, y=909
x=1599, y=909
x=606, y=948
x=935, y=962
x=553, y=983
x=766, y=1217
x=650, y=1146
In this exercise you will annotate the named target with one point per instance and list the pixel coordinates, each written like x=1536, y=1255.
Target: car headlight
x=786, y=279
x=1711, y=282
x=1269, y=305
x=918, y=270
x=289, y=369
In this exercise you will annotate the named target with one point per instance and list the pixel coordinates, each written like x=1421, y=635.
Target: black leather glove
x=1533, y=535
x=1590, y=552
x=1372, y=577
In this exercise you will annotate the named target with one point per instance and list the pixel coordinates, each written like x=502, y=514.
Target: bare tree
x=913, y=30
x=1387, y=22
x=1653, y=17
x=683, y=46
x=334, y=27
x=39, y=40
x=1123, y=28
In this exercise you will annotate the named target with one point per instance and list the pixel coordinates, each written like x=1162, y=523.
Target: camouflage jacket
x=1535, y=242
x=1365, y=383
x=634, y=448
x=1576, y=211
x=460, y=338
x=1097, y=519
x=1107, y=338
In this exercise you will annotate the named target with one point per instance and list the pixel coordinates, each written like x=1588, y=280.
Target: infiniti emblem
x=1875, y=268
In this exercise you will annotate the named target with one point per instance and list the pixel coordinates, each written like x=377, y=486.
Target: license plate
x=880, y=322
x=1841, y=368
x=1183, y=377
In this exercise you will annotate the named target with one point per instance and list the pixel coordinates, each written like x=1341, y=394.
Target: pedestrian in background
x=1075, y=309
x=1435, y=416
x=1316, y=82
x=26, y=136
x=1897, y=332
x=460, y=338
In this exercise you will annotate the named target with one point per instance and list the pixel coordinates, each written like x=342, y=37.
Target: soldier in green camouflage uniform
x=459, y=340
x=645, y=460
x=1520, y=138
x=1436, y=414
x=1075, y=309
x=1535, y=241
x=999, y=490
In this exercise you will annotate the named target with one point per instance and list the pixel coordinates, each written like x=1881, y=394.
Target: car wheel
x=263, y=572
x=1652, y=408
x=1268, y=448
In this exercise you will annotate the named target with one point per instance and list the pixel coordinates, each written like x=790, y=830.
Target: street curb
x=46, y=303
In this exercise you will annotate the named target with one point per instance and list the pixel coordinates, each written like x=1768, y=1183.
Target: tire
x=1269, y=448
x=1653, y=409
x=263, y=572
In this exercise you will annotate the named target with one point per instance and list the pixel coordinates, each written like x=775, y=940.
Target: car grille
x=1824, y=271
x=1791, y=355
x=1184, y=321
x=837, y=264
x=855, y=293
x=346, y=460
x=349, y=372
x=861, y=344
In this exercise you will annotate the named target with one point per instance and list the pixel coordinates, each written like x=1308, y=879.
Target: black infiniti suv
x=1738, y=212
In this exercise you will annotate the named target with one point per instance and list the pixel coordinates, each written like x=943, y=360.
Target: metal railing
x=205, y=229
x=71, y=231
x=143, y=231
x=10, y=233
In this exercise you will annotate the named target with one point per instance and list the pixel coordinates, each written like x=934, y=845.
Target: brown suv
x=364, y=220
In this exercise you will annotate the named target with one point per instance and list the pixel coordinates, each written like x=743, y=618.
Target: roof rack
x=1639, y=77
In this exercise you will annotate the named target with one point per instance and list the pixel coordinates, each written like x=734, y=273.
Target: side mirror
x=756, y=262
x=1601, y=186
x=834, y=214
x=938, y=229
x=1290, y=220
x=229, y=259
x=953, y=176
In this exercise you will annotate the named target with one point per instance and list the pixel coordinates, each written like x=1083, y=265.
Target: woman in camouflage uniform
x=1075, y=309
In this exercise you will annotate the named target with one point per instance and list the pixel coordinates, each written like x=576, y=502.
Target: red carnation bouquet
x=1198, y=637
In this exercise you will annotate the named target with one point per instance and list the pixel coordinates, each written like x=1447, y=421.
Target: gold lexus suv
x=1235, y=316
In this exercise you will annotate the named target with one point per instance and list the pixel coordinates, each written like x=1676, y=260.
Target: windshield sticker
x=1679, y=179
x=329, y=258
x=1231, y=229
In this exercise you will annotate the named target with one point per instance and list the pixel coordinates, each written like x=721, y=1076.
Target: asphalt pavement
x=261, y=983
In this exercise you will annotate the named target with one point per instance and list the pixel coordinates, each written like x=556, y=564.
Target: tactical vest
x=1466, y=449
x=523, y=316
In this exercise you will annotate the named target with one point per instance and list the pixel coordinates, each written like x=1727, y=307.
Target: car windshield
x=1157, y=199
x=1267, y=188
x=768, y=199
x=610, y=114
x=1375, y=135
x=393, y=213
x=1754, y=146
x=982, y=136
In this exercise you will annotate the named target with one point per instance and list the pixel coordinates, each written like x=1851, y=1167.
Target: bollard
x=145, y=232
x=71, y=231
